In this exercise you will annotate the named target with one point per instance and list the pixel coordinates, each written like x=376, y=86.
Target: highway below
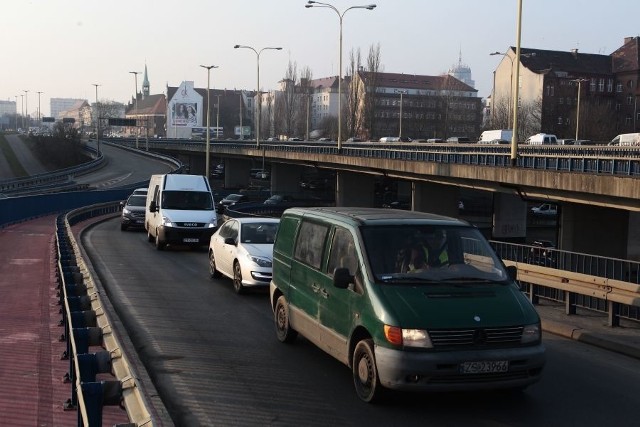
x=214, y=358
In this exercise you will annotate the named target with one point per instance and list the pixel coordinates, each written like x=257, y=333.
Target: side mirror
x=342, y=278
x=230, y=241
x=512, y=271
x=153, y=207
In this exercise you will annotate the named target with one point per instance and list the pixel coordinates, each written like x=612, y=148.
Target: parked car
x=231, y=200
x=542, y=253
x=242, y=249
x=545, y=209
x=566, y=141
x=354, y=139
x=295, y=139
x=277, y=199
x=325, y=139
x=133, y=212
x=435, y=140
x=459, y=139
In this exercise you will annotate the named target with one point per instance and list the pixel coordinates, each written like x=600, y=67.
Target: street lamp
x=401, y=92
x=97, y=118
x=208, y=67
x=312, y=3
x=16, y=96
x=22, y=111
x=135, y=76
x=258, y=93
x=579, y=81
x=26, y=107
x=39, y=116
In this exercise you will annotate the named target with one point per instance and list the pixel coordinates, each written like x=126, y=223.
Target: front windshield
x=187, y=200
x=259, y=232
x=431, y=253
x=136, y=200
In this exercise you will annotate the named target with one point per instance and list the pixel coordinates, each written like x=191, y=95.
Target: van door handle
x=315, y=287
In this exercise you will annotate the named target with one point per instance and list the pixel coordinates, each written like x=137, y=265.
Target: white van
x=180, y=210
x=542, y=139
x=626, y=139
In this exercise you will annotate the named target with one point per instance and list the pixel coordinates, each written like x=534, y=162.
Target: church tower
x=145, y=83
x=462, y=72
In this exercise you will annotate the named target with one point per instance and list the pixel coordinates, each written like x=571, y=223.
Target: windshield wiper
x=403, y=279
x=473, y=280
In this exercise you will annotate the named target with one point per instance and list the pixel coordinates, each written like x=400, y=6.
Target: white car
x=545, y=209
x=242, y=249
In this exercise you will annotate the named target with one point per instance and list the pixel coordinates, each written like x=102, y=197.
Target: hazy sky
x=61, y=47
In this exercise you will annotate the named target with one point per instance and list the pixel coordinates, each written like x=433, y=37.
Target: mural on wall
x=185, y=107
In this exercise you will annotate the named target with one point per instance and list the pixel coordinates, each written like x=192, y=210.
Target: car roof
x=253, y=219
x=370, y=216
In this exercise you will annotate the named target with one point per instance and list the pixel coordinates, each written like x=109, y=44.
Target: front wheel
x=284, y=331
x=159, y=243
x=213, y=270
x=237, y=278
x=365, y=372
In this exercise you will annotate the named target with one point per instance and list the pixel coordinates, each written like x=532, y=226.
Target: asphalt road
x=214, y=358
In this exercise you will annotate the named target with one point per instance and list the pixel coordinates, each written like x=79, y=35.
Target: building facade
x=8, y=114
x=58, y=105
x=548, y=87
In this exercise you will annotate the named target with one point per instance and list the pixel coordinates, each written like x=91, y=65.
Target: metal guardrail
x=86, y=325
x=601, y=159
x=608, y=285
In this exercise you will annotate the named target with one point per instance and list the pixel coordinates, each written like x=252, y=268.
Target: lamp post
x=22, y=111
x=16, y=96
x=26, y=107
x=208, y=68
x=312, y=3
x=401, y=92
x=39, y=115
x=258, y=93
x=135, y=94
x=579, y=81
x=97, y=118
x=516, y=86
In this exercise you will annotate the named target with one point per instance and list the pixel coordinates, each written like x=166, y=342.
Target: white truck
x=626, y=139
x=542, y=139
x=496, y=136
x=180, y=210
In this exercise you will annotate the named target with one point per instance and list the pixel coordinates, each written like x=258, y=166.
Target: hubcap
x=363, y=370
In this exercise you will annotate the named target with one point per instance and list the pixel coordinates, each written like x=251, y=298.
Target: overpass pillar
x=354, y=189
x=236, y=172
x=509, y=218
x=595, y=230
x=435, y=198
x=285, y=178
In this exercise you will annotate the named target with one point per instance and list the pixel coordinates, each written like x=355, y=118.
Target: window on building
x=630, y=84
x=618, y=106
x=619, y=87
x=601, y=85
x=610, y=85
x=560, y=120
x=627, y=120
x=568, y=100
x=567, y=121
x=592, y=85
x=629, y=99
x=561, y=100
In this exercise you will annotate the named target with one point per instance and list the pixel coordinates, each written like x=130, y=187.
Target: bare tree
x=370, y=104
x=303, y=117
x=289, y=99
x=354, y=93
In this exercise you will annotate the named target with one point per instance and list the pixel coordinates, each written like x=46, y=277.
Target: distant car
x=459, y=139
x=545, y=209
x=542, y=253
x=354, y=139
x=566, y=141
x=495, y=142
x=231, y=200
x=295, y=139
x=435, y=140
x=325, y=139
x=584, y=142
x=273, y=138
x=389, y=139
x=242, y=249
x=133, y=212
x=277, y=199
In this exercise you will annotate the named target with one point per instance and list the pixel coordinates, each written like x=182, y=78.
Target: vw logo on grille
x=479, y=336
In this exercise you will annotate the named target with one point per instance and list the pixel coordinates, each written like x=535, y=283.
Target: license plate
x=190, y=240
x=485, y=367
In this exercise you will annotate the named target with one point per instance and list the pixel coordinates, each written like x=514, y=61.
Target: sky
x=63, y=47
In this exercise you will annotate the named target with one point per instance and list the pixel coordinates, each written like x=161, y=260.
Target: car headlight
x=166, y=222
x=261, y=261
x=531, y=334
x=126, y=211
x=407, y=337
x=213, y=223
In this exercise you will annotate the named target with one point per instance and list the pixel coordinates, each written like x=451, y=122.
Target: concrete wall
x=509, y=218
x=236, y=172
x=354, y=189
x=285, y=178
x=435, y=198
x=594, y=230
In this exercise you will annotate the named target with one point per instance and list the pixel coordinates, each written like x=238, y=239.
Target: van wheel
x=159, y=244
x=365, y=372
x=150, y=238
x=237, y=278
x=213, y=271
x=284, y=331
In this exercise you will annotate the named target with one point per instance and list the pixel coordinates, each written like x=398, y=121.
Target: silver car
x=242, y=249
x=133, y=212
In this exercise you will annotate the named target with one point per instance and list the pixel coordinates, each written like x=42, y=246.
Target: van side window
x=286, y=234
x=343, y=252
x=310, y=243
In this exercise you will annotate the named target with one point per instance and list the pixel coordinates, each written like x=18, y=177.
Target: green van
x=408, y=300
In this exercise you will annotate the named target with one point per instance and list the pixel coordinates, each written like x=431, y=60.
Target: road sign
x=48, y=120
x=121, y=122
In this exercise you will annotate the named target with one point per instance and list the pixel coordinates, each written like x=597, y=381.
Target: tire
x=123, y=227
x=159, y=244
x=213, y=271
x=150, y=238
x=284, y=331
x=237, y=278
x=365, y=372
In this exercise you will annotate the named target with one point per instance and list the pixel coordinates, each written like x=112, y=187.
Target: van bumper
x=186, y=236
x=441, y=371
